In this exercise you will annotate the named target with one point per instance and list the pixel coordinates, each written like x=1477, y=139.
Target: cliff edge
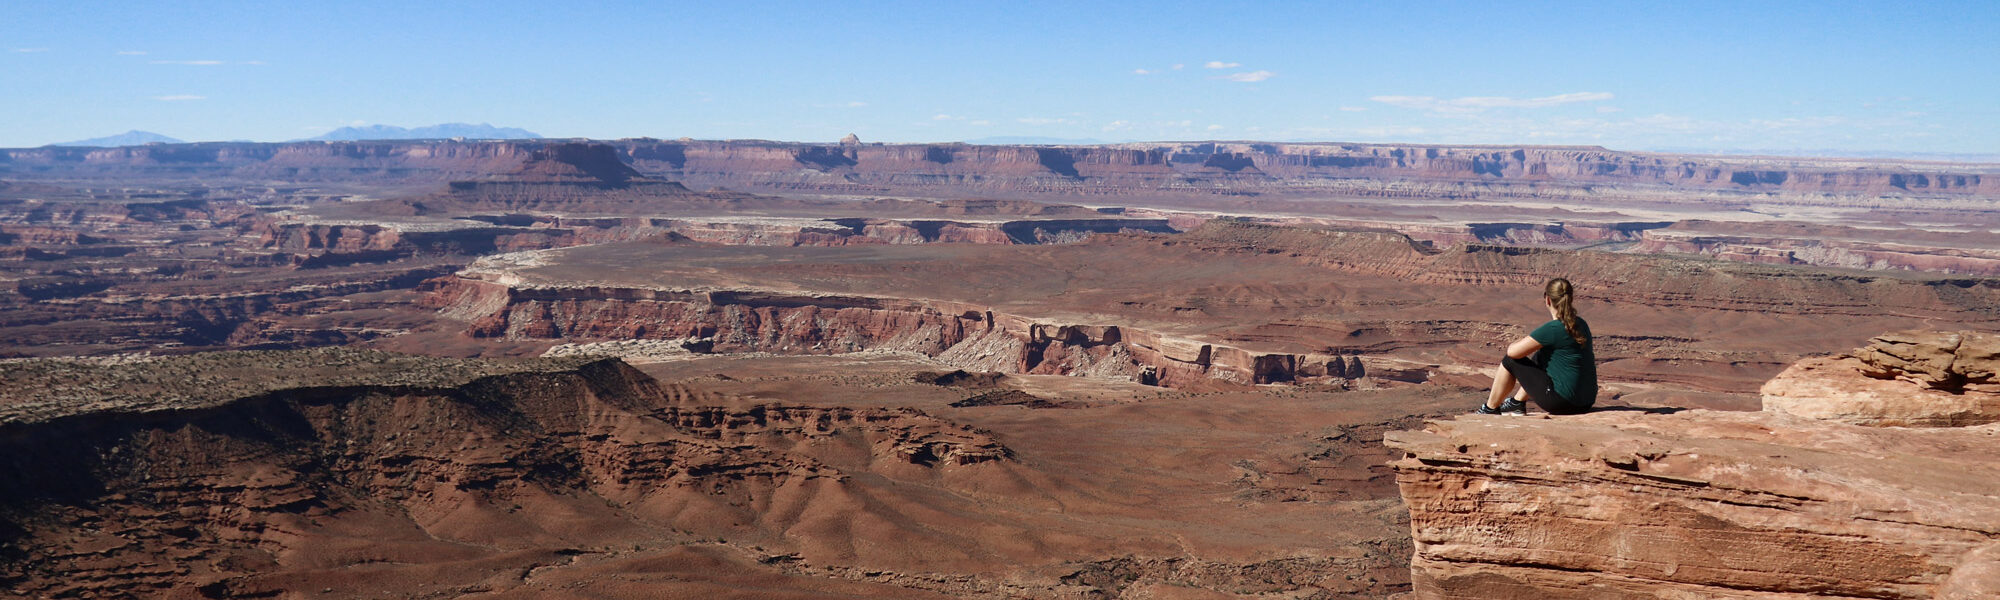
x=1706, y=504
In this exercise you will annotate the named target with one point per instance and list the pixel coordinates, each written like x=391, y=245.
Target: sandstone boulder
x=1909, y=379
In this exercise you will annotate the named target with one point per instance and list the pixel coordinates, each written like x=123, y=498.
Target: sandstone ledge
x=1698, y=504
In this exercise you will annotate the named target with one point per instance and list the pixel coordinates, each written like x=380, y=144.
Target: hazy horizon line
x=1030, y=140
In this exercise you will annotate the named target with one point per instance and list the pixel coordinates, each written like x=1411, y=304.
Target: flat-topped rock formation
x=1666, y=503
x=963, y=335
x=1397, y=170
x=565, y=177
x=1973, y=252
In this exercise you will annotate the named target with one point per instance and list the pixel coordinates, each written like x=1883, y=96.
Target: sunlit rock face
x=1909, y=379
x=1667, y=503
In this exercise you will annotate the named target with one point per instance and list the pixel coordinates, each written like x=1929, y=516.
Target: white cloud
x=1179, y=66
x=258, y=63
x=1353, y=108
x=979, y=122
x=1043, y=121
x=1143, y=72
x=1216, y=64
x=1251, y=77
x=1117, y=125
x=197, y=63
x=1215, y=128
x=1479, y=103
x=180, y=98
x=131, y=52
x=30, y=50
x=946, y=117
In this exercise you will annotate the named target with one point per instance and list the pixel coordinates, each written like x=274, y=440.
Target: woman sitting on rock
x=1562, y=375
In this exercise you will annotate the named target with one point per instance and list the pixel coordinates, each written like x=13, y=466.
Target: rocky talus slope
x=1668, y=503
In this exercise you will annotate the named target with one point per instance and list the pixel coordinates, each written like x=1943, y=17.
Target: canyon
x=1172, y=370
x=352, y=473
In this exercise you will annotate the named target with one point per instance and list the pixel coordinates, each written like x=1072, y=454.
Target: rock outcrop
x=1665, y=503
x=1910, y=379
x=761, y=321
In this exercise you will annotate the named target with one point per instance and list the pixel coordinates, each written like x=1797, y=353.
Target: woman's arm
x=1524, y=347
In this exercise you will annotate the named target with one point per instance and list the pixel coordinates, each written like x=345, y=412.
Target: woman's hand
x=1523, y=348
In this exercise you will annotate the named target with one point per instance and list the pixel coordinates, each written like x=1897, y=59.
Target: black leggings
x=1535, y=380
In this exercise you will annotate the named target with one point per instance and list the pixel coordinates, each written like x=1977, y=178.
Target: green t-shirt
x=1572, y=368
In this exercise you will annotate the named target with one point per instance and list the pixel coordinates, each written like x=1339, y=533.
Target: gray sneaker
x=1512, y=408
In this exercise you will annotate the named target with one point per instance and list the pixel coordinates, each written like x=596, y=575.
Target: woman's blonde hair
x=1562, y=295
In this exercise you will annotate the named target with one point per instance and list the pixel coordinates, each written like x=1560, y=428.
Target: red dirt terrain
x=339, y=473
x=646, y=368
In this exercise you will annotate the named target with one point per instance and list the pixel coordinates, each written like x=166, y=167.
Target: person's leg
x=1504, y=385
x=1535, y=385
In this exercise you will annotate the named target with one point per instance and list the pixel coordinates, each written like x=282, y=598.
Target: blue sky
x=1876, y=76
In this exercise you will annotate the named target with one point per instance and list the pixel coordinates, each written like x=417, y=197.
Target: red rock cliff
x=1702, y=504
x=1241, y=167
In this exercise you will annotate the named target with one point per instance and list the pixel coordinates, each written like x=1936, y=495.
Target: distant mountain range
x=129, y=138
x=481, y=131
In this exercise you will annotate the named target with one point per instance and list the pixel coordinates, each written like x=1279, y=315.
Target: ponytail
x=1562, y=296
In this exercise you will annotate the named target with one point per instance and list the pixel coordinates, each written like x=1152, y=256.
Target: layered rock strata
x=1915, y=249
x=1666, y=503
x=1381, y=170
x=964, y=335
x=317, y=244
x=1697, y=504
